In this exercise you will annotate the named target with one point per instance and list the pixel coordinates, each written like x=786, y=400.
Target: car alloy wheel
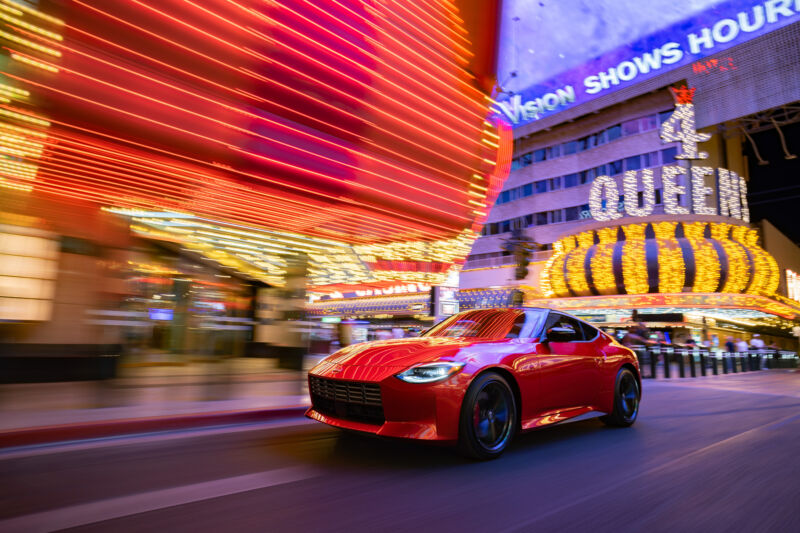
x=489, y=417
x=626, y=400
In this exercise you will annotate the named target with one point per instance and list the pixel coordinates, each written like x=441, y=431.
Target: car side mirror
x=558, y=334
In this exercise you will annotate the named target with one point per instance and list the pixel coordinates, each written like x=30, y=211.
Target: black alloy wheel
x=488, y=417
x=626, y=400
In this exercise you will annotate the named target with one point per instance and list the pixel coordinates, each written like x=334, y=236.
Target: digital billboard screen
x=554, y=55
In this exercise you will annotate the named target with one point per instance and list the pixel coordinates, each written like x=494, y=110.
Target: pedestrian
x=730, y=346
x=757, y=342
x=741, y=345
x=633, y=338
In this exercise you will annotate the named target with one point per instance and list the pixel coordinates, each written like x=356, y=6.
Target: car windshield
x=486, y=323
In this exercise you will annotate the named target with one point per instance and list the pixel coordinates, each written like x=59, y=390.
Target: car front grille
x=349, y=400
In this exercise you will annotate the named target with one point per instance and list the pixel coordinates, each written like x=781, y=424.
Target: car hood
x=403, y=352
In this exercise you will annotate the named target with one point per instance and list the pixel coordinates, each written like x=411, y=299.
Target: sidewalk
x=152, y=397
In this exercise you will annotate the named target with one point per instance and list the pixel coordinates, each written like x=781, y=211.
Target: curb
x=115, y=428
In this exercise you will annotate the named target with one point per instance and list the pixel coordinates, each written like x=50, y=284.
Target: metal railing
x=680, y=362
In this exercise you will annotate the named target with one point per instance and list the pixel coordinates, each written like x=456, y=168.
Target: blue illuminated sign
x=160, y=314
x=558, y=54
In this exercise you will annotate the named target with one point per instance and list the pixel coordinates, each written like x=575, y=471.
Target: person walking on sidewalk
x=741, y=345
x=757, y=344
x=730, y=347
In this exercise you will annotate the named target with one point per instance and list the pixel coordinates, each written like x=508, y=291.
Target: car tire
x=488, y=417
x=627, y=395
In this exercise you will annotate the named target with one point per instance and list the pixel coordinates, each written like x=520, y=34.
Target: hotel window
x=649, y=122
x=658, y=197
x=668, y=155
x=633, y=163
x=539, y=155
x=541, y=218
x=630, y=127
x=555, y=183
x=649, y=159
x=640, y=199
x=615, y=167
x=614, y=132
x=541, y=186
x=600, y=171
x=570, y=147
x=572, y=213
x=522, y=161
x=505, y=226
x=571, y=180
x=528, y=220
x=555, y=216
x=527, y=189
x=600, y=137
x=554, y=151
x=664, y=115
x=586, y=176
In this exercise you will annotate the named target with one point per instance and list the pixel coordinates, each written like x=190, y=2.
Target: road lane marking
x=98, y=511
x=34, y=450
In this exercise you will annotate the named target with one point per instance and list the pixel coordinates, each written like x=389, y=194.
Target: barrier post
x=692, y=369
x=681, y=363
x=734, y=361
x=653, y=361
x=714, y=362
x=667, y=362
x=702, y=363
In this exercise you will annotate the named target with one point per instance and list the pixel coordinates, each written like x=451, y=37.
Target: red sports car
x=478, y=377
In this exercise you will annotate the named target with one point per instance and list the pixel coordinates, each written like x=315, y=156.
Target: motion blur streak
x=257, y=102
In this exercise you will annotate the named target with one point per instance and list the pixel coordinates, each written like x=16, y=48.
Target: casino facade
x=644, y=202
x=196, y=154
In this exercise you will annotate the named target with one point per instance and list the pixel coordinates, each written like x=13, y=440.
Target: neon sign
x=792, y=285
x=677, y=181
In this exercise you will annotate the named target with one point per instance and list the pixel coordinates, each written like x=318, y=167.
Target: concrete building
x=547, y=192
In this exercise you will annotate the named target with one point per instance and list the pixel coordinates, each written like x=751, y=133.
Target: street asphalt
x=710, y=454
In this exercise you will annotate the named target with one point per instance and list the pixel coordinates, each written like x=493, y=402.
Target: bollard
x=724, y=356
x=681, y=363
x=714, y=362
x=734, y=359
x=702, y=363
x=667, y=362
x=692, y=370
x=742, y=362
x=653, y=362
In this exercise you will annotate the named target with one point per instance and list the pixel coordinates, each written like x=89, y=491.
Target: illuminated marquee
x=582, y=56
x=680, y=127
x=792, y=285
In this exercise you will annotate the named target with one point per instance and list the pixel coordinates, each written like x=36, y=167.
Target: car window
x=564, y=321
x=488, y=323
x=589, y=332
x=516, y=328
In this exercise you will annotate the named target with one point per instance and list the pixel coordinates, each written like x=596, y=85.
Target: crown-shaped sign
x=682, y=94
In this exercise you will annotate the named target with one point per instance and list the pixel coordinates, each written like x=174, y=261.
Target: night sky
x=774, y=189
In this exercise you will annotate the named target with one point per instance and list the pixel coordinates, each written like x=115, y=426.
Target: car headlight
x=430, y=372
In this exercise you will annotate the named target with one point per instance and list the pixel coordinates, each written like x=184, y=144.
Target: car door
x=568, y=370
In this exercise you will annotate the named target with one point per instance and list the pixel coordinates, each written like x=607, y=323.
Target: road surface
x=709, y=454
